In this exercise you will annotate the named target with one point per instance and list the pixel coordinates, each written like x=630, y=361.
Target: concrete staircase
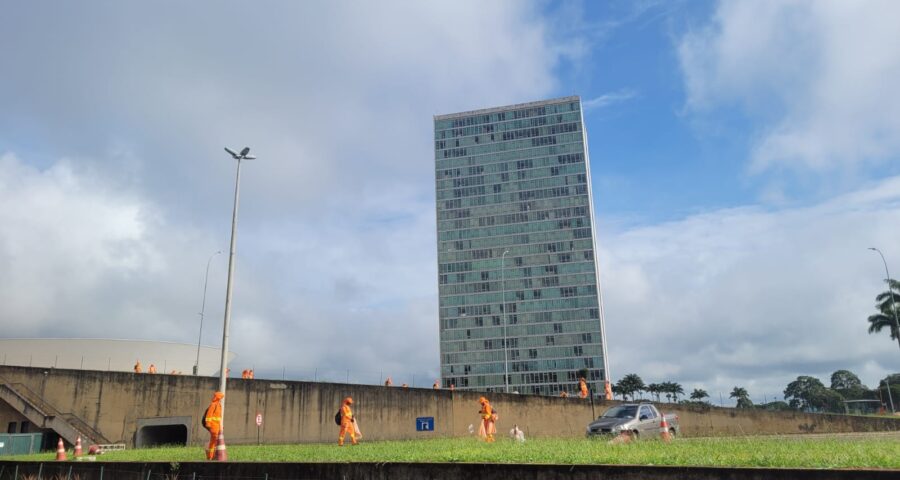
x=41, y=414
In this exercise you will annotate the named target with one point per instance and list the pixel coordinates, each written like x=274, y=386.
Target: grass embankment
x=741, y=452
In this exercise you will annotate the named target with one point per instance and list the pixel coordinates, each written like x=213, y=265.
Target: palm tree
x=677, y=390
x=699, y=394
x=654, y=389
x=743, y=398
x=884, y=302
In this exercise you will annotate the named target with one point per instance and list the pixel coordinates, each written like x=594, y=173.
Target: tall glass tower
x=520, y=304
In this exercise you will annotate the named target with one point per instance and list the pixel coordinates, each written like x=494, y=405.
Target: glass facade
x=517, y=272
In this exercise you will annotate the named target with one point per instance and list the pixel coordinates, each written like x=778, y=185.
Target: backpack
x=203, y=419
x=338, y=417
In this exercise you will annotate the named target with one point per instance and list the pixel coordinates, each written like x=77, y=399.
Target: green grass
x=743, y=452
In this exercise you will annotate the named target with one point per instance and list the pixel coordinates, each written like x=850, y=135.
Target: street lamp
x=223, y=372
x=890, y=289
x=202, y=309
x=503, y=303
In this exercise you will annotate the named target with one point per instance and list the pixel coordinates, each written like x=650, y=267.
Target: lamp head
x=245, y=151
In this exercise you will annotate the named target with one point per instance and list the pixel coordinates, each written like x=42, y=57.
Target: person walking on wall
x=212, y=421
x=347, y=423
x=582, y=386
x=488, y=420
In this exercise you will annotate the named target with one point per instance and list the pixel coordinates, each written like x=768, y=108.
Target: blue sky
x=744, y=155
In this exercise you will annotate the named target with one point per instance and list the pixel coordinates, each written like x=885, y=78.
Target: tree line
x=806, y=393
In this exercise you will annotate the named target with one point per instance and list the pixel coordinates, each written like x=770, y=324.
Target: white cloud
x=608, y=99
x=750, y=296
x=336, y=228
x=822, y=76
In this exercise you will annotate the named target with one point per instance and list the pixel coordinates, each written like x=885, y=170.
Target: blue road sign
x=425, y=424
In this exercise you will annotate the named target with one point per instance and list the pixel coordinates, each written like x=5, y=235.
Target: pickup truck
x=641, y=420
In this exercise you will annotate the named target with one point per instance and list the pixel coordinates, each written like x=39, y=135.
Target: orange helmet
x=348, y=401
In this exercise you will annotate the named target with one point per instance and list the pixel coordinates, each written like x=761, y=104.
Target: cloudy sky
x=744, y=156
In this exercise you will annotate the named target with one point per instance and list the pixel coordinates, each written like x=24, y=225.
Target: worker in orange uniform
x=436, y=385
x=244, y=373
x=212, y=421
x=488, y=419
x=152, y=368
x=137, y=367
x=250, y=374
x=582, y=386
x=347, y=421
x=388, y=382
x=608, y=388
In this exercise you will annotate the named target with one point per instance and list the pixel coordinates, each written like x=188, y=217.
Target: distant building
x=110, y=354
x=516, y=179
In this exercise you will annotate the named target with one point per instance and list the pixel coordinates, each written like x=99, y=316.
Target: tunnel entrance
x=161, y=435
x=154, y=432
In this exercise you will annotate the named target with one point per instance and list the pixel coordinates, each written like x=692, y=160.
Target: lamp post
x=223, y=372
x=203, y=309
x=890, y=289
x=503, y=303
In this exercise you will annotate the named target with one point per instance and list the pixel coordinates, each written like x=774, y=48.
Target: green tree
x=699, y=394
x=808, y=393
x=742, y=397
x=672, y=390
x=677, y=390
x=630, y=384
x=884, y=302
x=654, y=389
x=894, y=394
x=848, y=385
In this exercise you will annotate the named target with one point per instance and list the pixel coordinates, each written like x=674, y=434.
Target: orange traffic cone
x=221, y=453
x=664, y=434
x=77, y=447
x=60, y=451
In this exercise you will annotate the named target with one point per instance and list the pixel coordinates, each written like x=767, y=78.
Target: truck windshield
x=621, y=411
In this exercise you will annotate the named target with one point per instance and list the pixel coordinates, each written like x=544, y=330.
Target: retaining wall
x=115, y=403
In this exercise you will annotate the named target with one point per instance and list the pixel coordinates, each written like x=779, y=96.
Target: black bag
x=203, y=420
x=338, y=417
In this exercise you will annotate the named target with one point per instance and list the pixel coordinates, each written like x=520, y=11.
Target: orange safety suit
x=347, y=423
x=137, y=367
x=582, y=385
x=250, y=374
x=488, y=418
x=388, y=382
x=213, y=423
x=608, y=389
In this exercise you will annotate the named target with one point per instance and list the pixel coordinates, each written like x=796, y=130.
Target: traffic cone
x=664, y=434
x=221, y=453
x=60, y=451
x=77, y=447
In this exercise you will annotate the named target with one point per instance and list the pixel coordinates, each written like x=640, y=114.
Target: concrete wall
x=114, y=403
